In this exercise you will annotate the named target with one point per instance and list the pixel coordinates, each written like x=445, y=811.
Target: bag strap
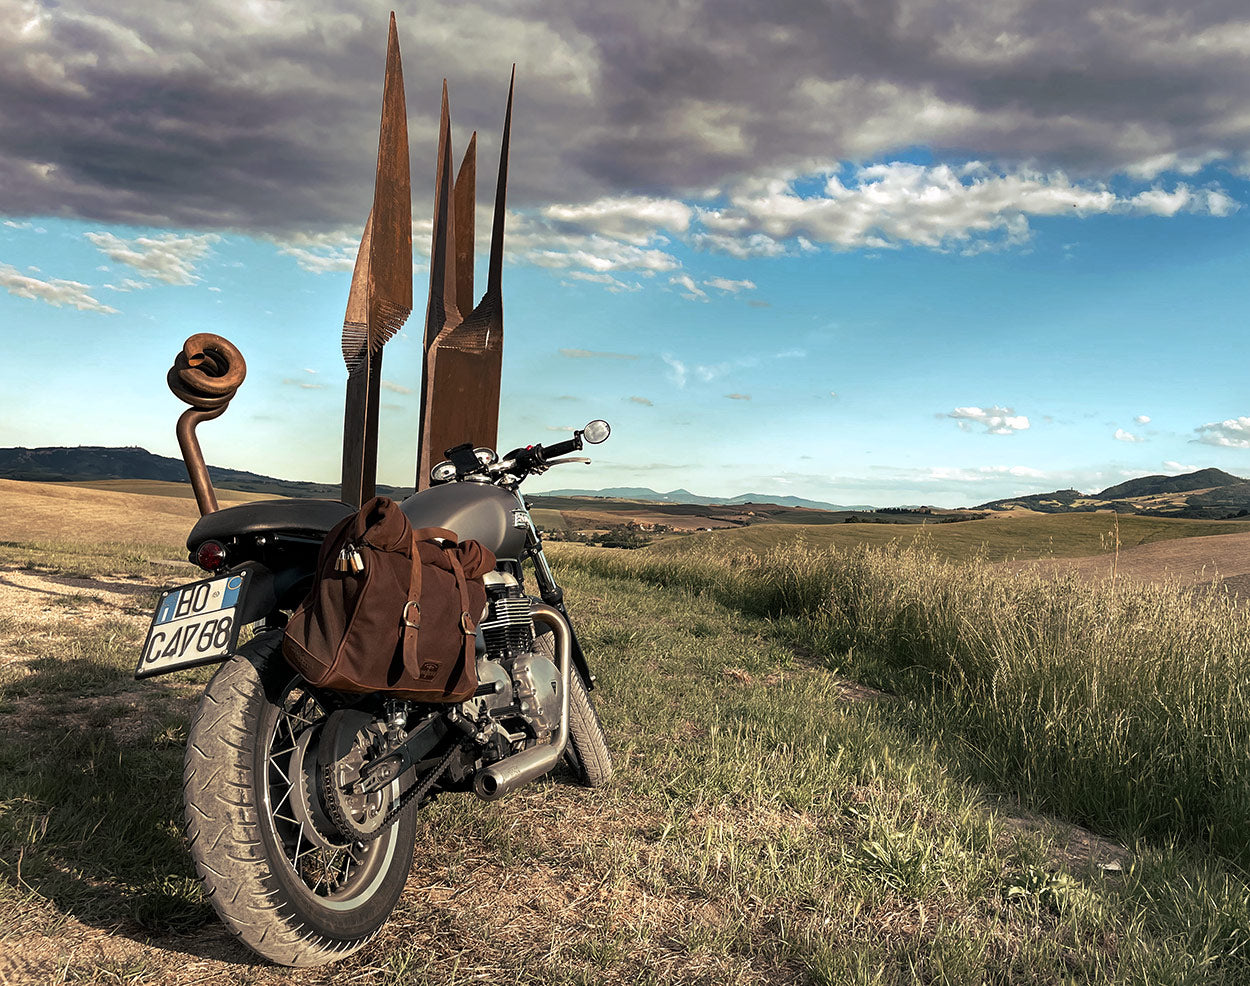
x=410, y=625
x=467, y=626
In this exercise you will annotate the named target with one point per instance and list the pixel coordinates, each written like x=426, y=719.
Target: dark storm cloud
x=262, y=116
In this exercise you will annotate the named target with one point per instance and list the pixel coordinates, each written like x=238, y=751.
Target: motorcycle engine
x=526, y=680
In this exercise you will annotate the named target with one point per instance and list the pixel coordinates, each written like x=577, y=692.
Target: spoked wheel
x=300, y=869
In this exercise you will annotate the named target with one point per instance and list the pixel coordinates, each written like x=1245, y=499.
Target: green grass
x=1123, y=706
x=999, y=539
x=89, y=560
x=761, y=828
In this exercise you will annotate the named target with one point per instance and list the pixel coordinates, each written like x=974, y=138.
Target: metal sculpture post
x=380, y=300
x=205, y=374
x=463, y=352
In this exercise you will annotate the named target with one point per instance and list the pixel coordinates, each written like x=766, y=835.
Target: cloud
x=1142, y=419
x=321, y=253
x=167, y=257
x=613, y=284
x=641, y=400
x=588, y=354
x=690, y=290
x=1124, y=436
x=56, y=292
x=738, y=397
x=634, y=219
x=970, y=207
x=233, y=117
x=394, y=388
x=728, y=286
x=303, y=384
x=1233, y=433
x=978, y=474
x=130, y=284
x=997, y=420
x=677, y=370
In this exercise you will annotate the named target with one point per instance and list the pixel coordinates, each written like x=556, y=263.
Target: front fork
x=551, y=593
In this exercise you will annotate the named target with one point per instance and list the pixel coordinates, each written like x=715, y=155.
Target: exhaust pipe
x=498, y=779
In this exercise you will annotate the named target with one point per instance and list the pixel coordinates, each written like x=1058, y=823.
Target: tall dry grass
x=1124, y=706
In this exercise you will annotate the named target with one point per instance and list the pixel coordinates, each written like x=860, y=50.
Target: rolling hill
x=1208, y=494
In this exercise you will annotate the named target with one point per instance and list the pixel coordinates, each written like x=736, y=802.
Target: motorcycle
x=301, y=803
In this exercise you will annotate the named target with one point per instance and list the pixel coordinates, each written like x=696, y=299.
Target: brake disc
x=349, y=738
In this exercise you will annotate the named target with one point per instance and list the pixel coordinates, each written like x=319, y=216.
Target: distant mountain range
x=685, y=496
x=86, y=463
x=1209, y=494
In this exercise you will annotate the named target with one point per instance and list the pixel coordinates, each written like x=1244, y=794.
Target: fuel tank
x=475, y=511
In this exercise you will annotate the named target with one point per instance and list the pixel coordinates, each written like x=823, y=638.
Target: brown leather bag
x=404, y=622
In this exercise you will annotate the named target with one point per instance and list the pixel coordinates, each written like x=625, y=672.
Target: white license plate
x=194, y=624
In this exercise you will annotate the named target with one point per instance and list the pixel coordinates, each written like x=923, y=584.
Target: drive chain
x=418, y=791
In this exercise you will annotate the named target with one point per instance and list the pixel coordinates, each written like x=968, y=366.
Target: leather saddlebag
x=391, y=609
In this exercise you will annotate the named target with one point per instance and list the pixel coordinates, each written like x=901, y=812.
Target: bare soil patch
x=1222, y=559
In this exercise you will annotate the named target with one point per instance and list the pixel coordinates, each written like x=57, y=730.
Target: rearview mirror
x=596, y=431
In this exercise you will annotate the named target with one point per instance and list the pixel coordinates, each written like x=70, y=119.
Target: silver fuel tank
x=474, y=511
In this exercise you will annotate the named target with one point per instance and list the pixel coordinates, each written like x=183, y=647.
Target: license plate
x=194, y=624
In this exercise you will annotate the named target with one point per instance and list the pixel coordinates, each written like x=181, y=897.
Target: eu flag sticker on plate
x=193, y=624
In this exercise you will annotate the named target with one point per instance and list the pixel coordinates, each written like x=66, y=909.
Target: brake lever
x=569, y=458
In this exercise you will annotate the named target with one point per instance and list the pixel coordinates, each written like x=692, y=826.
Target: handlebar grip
x=562, y=448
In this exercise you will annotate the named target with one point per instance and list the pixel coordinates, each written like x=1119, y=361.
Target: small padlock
x=341, y=562
x=355, y=561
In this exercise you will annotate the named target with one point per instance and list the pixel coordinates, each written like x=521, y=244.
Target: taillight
x=210, y=556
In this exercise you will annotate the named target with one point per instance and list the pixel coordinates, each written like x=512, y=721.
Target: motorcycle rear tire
x=245, y=863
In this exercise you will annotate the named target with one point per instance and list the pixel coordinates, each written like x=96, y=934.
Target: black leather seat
x=303, y=516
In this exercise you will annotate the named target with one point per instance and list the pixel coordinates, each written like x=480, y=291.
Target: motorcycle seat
x=294, y=515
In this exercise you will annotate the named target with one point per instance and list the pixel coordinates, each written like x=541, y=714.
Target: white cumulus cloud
x=997, y=420
x=167, y=257
x=1233, y=433
x=689, y=290
x=55, y=291
x=1127, y=436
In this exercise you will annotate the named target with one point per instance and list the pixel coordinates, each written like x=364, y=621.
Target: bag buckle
x=403, y=617
x=464, y=624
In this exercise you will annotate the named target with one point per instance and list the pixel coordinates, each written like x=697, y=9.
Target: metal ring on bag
x=403, y=617
x=465, y=623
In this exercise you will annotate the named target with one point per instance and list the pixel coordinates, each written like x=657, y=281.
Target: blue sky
x=956, y=261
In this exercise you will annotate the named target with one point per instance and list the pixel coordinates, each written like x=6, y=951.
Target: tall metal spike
x=466, y=210
x=380, y=299
x=495, y=274
x=464, y=359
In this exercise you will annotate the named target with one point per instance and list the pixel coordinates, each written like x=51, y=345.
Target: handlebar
x=467, y=463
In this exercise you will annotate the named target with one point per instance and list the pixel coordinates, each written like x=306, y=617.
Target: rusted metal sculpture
x=380, y=300
x=463, y=352
x=205, y=375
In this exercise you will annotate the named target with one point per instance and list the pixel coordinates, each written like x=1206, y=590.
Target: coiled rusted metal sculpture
x=205, y=375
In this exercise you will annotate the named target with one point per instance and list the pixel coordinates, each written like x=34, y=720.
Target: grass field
x=156, y=487
x=772, y=820
x=998, y=539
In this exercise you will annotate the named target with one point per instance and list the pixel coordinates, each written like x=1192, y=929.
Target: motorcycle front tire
x=259, y=872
